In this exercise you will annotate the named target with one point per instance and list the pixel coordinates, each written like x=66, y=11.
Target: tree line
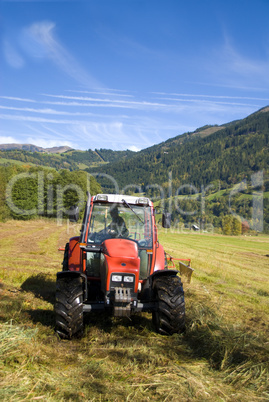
x=31, y=192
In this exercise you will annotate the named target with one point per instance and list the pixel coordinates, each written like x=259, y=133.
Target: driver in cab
x=117, y=227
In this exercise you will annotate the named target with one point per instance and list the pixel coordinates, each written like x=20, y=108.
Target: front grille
x=122, y=281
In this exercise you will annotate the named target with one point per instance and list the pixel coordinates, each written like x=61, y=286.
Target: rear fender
x=147, y=290
x=159, y=259
x=73, y=275
x=158, y=274
x=74, y=255
x=164, y=272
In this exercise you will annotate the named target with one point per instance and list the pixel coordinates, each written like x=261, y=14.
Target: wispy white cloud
x=235, y=84
x=134, y=148
x=49, y=133
x=177, y=103
x=39, y=41
x=48, y=143
x=45, y=111
x=108, y=101
x=207, y=102
x=110, y=92
x=93, y=121
x=198, y=96
x=37, y=119
x=12, y=55
x=164, y=104
x=231, y=68
x=244, y=66
x=8, y=140
x=113, y=134
x=13, y=98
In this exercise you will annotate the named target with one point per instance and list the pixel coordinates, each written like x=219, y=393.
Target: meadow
x=222, y=356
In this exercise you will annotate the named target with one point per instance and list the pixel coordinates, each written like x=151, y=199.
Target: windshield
x=119, y=221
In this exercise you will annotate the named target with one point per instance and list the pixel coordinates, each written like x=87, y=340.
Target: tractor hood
x=122, y=248
x=120, y=256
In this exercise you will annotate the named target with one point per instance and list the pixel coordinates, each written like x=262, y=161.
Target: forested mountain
x=107, y=155
x=229, y=154
x=197, y=176
x=34, y=148
x=70, y=159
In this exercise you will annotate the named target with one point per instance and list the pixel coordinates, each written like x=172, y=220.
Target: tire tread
x=170, y=315
x=69, y=307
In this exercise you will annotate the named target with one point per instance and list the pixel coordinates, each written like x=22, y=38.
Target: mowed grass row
x=232, y=272
x=222, y=356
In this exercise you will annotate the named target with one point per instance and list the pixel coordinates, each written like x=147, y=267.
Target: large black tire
x=69, y=307
x=169, y=318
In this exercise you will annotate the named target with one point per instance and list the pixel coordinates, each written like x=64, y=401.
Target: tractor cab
x=117, y=218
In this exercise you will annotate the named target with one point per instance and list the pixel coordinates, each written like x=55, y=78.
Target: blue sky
x=127, y=74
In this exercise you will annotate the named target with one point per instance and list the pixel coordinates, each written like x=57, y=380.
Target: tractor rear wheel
x=169, y=318
x=69, y=307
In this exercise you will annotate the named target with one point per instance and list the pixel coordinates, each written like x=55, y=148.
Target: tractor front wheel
x=69, y=307
x=169, y=317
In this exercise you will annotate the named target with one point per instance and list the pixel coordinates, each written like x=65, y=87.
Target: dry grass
x=223, y=356
x=231, y=272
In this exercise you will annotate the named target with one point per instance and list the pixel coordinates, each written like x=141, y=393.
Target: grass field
x=4, y=161
x=222, y=356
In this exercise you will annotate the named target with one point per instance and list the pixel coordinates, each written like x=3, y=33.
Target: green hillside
x=107, y=155
x=228, y=154
x=71, y=160
x=208, y=163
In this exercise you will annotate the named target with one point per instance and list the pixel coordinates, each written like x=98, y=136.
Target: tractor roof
x=118, y=198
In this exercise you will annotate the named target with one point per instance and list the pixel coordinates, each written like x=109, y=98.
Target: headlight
x=102, y=197
x=128, y=278
x=143, y=201
x=116, y=278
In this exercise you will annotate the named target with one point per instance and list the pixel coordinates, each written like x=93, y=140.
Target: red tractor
x=118, y=265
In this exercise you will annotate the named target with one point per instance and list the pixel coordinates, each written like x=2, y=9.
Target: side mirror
x=73, y=213
x=166, y=220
